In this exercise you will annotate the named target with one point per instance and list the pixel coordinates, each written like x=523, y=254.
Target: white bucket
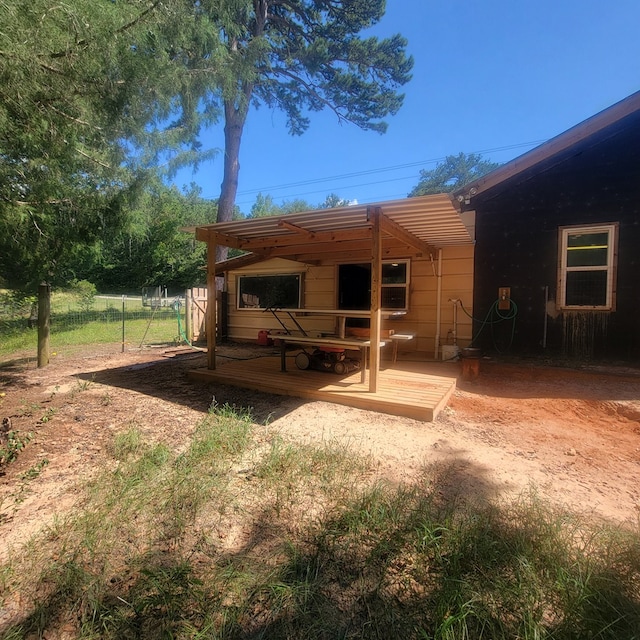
x=450, y=352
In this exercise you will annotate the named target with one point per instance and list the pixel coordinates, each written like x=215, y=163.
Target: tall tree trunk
x=234, y=125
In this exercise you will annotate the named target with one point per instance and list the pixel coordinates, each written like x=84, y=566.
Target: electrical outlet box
x=504, y=298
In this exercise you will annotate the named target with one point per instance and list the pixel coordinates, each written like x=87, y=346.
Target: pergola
x=414, y=227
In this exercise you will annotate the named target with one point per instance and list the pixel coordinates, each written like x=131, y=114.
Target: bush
x=85, y=293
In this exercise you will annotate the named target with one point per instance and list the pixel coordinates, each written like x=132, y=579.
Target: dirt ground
x=572, y=434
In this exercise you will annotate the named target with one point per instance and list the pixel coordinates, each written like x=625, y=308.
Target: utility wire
x=354, y=174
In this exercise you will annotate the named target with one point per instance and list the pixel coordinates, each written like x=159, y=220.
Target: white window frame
x=610, y=267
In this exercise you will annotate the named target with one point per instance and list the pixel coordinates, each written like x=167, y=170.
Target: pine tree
x=302, y=56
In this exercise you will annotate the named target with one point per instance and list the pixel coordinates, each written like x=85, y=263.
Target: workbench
x=326, y=341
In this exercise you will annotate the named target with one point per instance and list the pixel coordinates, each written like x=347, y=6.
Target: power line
x=355, y=174
x=352, y=186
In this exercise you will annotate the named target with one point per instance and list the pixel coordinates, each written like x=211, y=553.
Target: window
x=587, y=267
x=354, y=285
x=395, y=285
x=261, y=292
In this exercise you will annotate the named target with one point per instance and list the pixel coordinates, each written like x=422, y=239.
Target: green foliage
x=85, y=293
x=265, y=206
x=300, y=57
x=153, y=248
x=452, y=174
x=90, y=100
x=11, y=445
x=334, y=200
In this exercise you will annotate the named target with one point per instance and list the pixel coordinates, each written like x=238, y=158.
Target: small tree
x=334, y=200
x=85, y=293
x=264, y=207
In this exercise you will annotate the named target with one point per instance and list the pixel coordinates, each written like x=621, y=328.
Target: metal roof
x=432, y=219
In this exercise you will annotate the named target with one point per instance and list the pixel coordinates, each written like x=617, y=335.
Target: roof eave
x=551, y=147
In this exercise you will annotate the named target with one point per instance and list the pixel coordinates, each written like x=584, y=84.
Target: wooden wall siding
x=198, y=310
x=517, y=246
x=319, y=292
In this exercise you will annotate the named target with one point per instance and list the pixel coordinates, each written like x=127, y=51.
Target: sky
x=496, y=77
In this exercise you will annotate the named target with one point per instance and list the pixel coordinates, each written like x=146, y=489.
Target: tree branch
x=76, y=120
x=95, y=160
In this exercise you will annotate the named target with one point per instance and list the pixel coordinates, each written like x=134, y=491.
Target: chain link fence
x=108, y=319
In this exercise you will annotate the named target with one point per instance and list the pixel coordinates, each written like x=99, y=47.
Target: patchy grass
x=243, y=534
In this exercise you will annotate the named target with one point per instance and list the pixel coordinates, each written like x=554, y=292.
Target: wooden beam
x=206, y=234
x=375, y=215
x=211, y=319
x=273, y=242
x=308, y=255
x=296, y=229
x=239, y=262
x=320, y=248
x=391, y=227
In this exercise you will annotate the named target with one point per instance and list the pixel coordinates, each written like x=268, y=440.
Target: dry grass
x=246, y=535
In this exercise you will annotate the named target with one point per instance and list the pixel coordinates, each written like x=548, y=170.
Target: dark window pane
x=586, y=288
x=260, y=292
x=394, y=297
x=588, y=239
x=354, y=286
x=589, y=257
x=587, y=249
x=394, y=273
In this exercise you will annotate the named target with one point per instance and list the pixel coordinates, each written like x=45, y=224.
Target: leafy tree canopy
x=334, y=200
x=453, y=173
x=92, y=94
x=265, y=206
x=152, y=248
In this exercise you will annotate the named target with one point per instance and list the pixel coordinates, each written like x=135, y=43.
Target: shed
x=404, y=263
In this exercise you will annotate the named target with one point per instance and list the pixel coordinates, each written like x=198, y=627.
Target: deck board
x=407, y=390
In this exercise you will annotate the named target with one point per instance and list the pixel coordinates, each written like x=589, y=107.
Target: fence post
x=188, y=315
x=123, y=310
x=44, y=323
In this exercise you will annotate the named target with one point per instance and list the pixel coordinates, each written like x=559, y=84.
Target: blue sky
x=496, y=77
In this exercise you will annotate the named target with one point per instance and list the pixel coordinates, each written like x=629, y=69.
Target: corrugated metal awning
x=431, y=219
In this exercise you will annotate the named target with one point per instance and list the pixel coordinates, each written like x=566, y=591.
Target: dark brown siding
x=517, y=225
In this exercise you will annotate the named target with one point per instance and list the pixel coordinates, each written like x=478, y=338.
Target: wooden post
x=211, y=302
x=123, y=320
x=188, y=314
x=376, y=298
x=44, y=323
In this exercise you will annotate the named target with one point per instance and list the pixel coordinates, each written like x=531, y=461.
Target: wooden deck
x=410, y=389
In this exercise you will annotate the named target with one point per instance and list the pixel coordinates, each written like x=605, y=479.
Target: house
x=557, y=253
